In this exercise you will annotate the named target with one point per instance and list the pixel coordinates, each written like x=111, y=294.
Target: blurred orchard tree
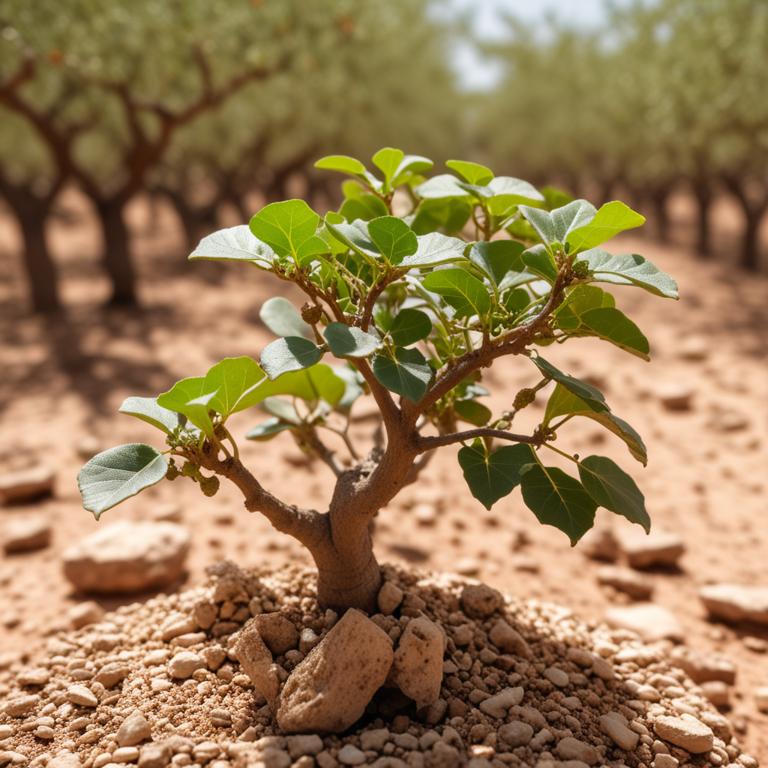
x=190, y=94
x=664, y=96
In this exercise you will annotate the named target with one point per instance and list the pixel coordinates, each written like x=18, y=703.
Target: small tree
x=415, y=310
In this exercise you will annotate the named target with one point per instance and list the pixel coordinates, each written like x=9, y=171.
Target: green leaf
x=365, y=207
x=497, y=257
x=559, y=500
x=350, y=341
x=611, y=219
x=342, y=164
x=267, y=430
x=283, y=319
x=611, y=487
x=354, y=236
x=509, y=192
x=434, y=249
x=410, y=326
x=628, y=269
x=289, y=227
x=441, y=186
x=119, y=473
x=407, y=374
x=474, y=173
x=234, y=381
x=613, y=325
x=190, y=398
x=592, y=396
x=491, y=476
x=147, y=409
x=409, y=166
x=449, y=215
x=388, y=161
x=393, y=238
x=564, y=403
x=235, y=244
x=555, y=226
x=472, y=412
x=538, y=260
x=320, y=382
x=465, y=293
x=289, y=354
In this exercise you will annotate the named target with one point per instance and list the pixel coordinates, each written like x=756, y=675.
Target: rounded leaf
x=117, y=474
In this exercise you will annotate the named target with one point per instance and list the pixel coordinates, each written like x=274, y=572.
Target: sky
x=486, y=15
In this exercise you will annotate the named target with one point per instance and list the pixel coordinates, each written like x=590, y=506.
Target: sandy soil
x=63, y=380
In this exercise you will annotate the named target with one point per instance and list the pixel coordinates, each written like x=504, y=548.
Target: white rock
x=82, y=696
x=761, y=699
x=573, y=749
x=389, y=598
x=675, y=396
x=83, y=614
x=735, y=603
x=499, y=705
x=256, y=660
x=557, y=676
x=657, y=548
x=350, y=755
x=509, y=640
x=133, y=730
x=26, y=485
x=330, y=689
x=26, y=534
x=309, y=744
x=616, y=728
x=417, y=669
x=686, y=732
x=625, y=580
x=184, y=664
x=128, y=557
x=600, y=543
x=650, y=621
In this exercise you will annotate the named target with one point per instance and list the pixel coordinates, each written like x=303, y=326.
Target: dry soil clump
x=459, y=675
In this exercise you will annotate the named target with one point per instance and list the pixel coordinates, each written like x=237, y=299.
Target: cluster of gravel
x=523, y=684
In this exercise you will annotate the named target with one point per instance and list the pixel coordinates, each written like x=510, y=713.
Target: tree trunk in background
x=42, y=276
x=750, y=243
x=117, y=251
x=660, y=205
x=703, y=195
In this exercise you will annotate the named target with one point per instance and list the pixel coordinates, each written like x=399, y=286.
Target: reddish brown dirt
x=62, y=381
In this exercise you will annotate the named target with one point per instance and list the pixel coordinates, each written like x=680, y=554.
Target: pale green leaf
x=117, y=474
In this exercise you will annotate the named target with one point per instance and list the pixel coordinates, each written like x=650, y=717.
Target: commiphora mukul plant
x=410, y=308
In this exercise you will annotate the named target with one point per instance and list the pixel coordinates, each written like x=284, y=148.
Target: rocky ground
x=250, y=672
x=701, y=405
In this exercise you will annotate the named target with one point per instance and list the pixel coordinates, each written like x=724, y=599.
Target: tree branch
x=512, y=343
x=312, y=442
x=306, y=525
x=430, y=443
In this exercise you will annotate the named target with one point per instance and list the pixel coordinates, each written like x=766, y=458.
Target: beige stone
x=417, y=669
x=329, y=690
x=650, y=621
x=277, y=631
x=685, y=732
x=256, y=660
x=735, y=603
x=128, y=557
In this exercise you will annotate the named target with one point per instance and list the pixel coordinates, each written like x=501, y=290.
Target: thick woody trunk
x=348, y=579
x=348, y=575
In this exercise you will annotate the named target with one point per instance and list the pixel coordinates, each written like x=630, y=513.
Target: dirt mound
x=524, y=683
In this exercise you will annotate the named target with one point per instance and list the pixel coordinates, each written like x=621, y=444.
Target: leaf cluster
x=412, y=288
